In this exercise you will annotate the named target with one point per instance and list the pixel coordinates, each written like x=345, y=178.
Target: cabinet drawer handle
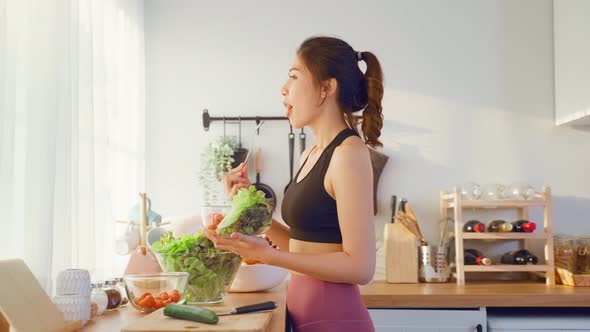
x=479, y=328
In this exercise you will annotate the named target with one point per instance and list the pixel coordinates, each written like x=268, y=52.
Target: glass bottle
x=113, y=294
x=583, y=254
x=99, y=297
x=524, y=226
x=499, y=225
x=121, y=286
x=519, y=257
x=474, y=226
x=475, y=257
x=564, y=252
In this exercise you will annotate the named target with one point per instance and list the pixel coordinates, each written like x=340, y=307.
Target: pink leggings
x=320, y=306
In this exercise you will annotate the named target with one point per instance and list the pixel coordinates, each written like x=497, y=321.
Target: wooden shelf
x=498, y=203
x=504, y=236
x=453, y=204
x=506, y=268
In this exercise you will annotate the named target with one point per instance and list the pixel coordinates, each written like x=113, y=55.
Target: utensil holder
x=434, y=264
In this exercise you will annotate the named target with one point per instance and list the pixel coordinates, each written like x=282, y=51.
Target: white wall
x=469, y=94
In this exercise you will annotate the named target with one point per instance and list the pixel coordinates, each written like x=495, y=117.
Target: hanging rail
x=207, y=119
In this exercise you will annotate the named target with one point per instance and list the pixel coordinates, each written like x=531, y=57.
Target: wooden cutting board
x=157, y=322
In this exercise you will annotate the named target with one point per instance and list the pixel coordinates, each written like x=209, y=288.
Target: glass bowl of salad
x=211, y=271
x=250, y=214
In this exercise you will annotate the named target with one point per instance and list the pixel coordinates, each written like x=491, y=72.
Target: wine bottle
x=519, y=257
x=475, y=257
x=499, y=225
x=523, y=226
x=474, y=226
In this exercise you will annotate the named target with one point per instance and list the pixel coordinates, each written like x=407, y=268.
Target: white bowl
x=257, y=277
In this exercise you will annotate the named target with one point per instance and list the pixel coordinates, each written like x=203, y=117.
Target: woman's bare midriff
x=299, y=246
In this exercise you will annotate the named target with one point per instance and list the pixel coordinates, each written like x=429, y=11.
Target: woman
x=329, y=204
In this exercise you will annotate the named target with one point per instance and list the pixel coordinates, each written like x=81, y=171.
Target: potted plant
x=216, y=159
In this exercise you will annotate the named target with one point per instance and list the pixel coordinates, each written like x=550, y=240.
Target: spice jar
x=564, y=252
x=99, y=297
x=113, y=294
x=583, y=254
x=121, y=286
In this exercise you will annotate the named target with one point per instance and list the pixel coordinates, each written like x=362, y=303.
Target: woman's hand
x=235, y=179
x=249, y=247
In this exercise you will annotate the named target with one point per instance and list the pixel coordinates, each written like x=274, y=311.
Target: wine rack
x=453, y=203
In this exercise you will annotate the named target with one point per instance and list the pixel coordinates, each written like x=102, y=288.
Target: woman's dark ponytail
x=373, y=115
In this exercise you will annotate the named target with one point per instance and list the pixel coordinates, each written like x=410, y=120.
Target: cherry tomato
x=218, y=218
x=174, y=297
x=143, y=296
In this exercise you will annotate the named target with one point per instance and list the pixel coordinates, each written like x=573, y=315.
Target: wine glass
x=470, y=191
x=493, y=191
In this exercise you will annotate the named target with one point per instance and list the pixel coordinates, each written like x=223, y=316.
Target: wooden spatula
x=408, y=219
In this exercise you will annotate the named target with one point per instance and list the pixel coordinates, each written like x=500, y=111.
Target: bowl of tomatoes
x=149, y=292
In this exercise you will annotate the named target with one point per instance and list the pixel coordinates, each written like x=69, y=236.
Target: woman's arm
x=352, y=183
x=279, y=234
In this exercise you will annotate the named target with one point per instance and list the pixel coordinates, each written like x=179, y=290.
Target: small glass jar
x=583, y=255
x=565, y=252
x=113, y=294
x=99, y=297
x=121, y=286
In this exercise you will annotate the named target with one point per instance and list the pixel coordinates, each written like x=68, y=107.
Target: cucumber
x=187, y=312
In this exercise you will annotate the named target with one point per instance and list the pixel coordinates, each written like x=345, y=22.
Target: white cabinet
x=571, y=43
x=538, y=319
x=431, y=320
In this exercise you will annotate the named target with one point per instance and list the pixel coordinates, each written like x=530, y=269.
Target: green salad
x=212, y=270
x=250, y=214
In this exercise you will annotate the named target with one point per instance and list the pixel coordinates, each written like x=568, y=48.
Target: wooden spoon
x=408, y=219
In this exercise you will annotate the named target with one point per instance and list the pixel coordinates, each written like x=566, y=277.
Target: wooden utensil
x=142, y=260
x=252, y=145
x=157, y=322
x=408, y=219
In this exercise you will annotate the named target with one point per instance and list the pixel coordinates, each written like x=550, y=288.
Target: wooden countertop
x=380, y=294
x=114, y=321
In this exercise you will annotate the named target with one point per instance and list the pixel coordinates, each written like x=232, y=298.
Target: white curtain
x=72, y=119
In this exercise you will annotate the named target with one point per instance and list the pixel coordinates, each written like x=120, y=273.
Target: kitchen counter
x=380, y=294
x=113, y=321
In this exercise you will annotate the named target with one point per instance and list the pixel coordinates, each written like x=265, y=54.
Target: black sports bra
x=307, y=208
